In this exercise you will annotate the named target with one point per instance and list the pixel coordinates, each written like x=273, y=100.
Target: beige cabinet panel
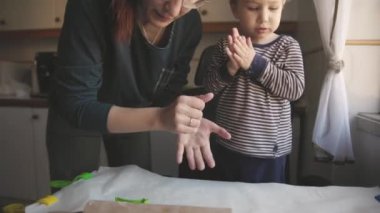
x=216, y=11
x=39, y=121
x=163, y=153
x=28, y=14
x=31, y=14
x=1, y=9
x=2, y=14
x=17, y=177
x=59, y=12
x=23, y=157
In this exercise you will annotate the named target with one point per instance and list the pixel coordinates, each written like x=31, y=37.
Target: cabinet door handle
x=57, y=19
x=35, y=117
x=204, y=12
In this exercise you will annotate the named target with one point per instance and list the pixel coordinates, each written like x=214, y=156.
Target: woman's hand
x=185, y=113
x=197, y=145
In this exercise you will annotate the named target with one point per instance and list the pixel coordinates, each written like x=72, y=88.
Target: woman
x=121, y=67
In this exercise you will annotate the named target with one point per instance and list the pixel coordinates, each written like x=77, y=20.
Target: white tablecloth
x=135, y=183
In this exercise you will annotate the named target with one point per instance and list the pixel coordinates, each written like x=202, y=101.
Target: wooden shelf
x=35, y=102
x=363, y=42
x=208, y=27
x=30, y=34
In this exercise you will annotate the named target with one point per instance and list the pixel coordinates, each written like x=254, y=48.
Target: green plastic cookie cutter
x=59, y=184
x=138, y=201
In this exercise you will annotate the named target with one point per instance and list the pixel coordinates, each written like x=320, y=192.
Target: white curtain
x=332, y=135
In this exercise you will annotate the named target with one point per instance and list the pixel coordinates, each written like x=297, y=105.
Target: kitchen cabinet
x=217, y=11
x=163, y=153
x=2, y=10
x=24, y=170
x=31, y=14
x=216, y=17
x=59, y=12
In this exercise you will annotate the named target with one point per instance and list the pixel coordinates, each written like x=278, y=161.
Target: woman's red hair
x=124, y=16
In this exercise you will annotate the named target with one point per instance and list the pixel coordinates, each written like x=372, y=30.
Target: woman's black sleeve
x=78, y=76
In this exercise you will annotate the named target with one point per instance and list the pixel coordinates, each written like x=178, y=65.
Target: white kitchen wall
x=365, y=20
x=363, y=88
x=362, y=78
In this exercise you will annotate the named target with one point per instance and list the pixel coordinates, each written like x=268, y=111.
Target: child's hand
x=232, y=65
x=243, y=51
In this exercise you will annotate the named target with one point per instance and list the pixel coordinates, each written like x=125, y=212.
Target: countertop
x=109, y=183
x=369, y=122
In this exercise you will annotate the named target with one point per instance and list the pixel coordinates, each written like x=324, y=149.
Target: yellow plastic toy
x=48, y=200
x=14, y=208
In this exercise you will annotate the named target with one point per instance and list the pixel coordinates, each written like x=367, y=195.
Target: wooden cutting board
x=115, y=207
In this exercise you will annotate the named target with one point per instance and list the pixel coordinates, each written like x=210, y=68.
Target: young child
x=256, y=73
